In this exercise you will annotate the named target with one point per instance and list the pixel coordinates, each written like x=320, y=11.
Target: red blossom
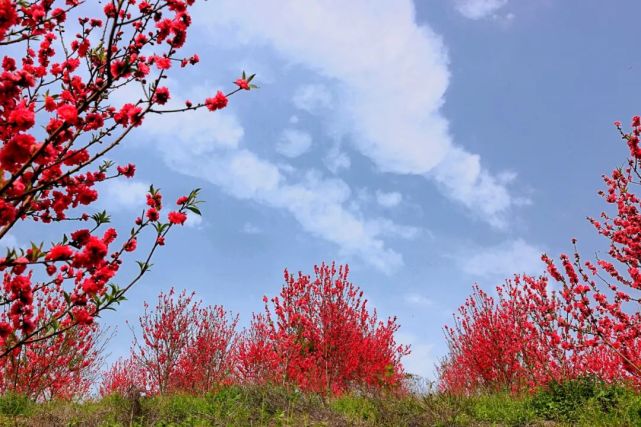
x=162, y=95
x=59, y=252
x=17, y=151
x=242, y=84
x=177, y=218
x=130, y=246
x=129, y=114
x=119, y=69
x=152, y=214
x=8, y=16
x=217, y=102
x=68, y=113
x=22, y=118
x=162, y=62
x=82, y=316
x=5, y=329
x=81, y=236
x=7, y=213
x=110, y=10
x=128, y=170
x=93, y=252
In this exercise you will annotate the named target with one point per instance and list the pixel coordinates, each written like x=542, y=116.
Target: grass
x=583, y=402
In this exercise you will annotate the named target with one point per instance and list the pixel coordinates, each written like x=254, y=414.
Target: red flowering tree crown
x=320, y=335
x=58, y=121
x=581, y=317
x=184, y=347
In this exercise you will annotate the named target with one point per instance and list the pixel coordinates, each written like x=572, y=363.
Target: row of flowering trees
x=581, y=317
x=317, y=335
x=62, y=62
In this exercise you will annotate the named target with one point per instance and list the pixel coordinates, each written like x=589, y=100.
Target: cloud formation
x=312, y=98
x=388, y=200
x=293, y=143
x=416, y=299
x=504, y=260
x=478, y=9
x=249, y=228
x=389, y=76
x=123, y=194
x=421, y=361
x=323, y=206
x=383, y=77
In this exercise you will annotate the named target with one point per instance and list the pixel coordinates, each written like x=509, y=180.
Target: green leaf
x=143, y=265
x=106, y=165
x=195, y=210
x=101, y=218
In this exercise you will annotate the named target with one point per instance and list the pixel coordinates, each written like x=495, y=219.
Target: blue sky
x=429, y=144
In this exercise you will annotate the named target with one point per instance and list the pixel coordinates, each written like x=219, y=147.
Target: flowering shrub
x=57, y=122
x=320, y=336
x=490, y=346
x=587, y=324
x=185, y=347
x=209, y=360
x=61, y=366
x=601, y=299
x=125, y=378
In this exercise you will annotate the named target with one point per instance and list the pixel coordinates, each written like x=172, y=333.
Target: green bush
x=570, y=401
x=505, y=409
x=12, y=405
x=355, y=408
x=583, y=402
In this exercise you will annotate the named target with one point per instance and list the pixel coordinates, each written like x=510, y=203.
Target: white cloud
x=336, y=160
x=385, y=227
x=461, y=176
x=504, y=260
x=421, y=360
x=194, y=220
x=477, y=9
x=312, y=98
x=294, y=143
x=123, y=194
x=417, y=300
x=205, y=131
x=390, y=76
x=321, y=205
x=249, y=228
x=388, y=200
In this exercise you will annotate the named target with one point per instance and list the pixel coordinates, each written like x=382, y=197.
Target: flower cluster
x=586, y=322
x=319, y=337
x=61, y=366
x=185, y=347
x=58, y=120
